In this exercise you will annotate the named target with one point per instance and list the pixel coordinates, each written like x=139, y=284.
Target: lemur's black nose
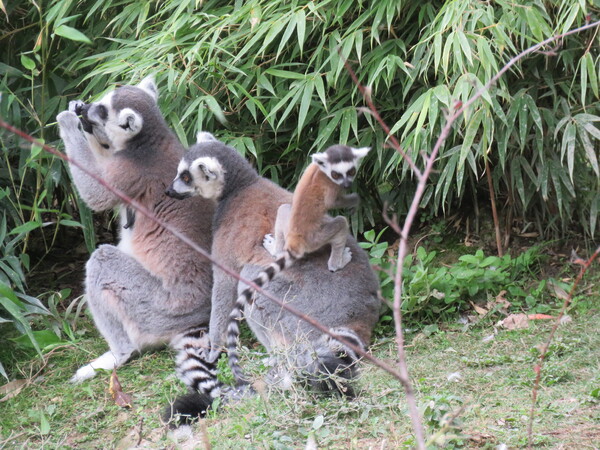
x=171, y=192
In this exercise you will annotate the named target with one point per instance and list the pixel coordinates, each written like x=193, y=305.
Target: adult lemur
x=150, y=288
x=345, y=301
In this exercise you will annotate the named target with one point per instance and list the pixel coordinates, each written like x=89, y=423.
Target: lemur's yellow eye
x=351, y=172
x=185, y=177
x=336, y=175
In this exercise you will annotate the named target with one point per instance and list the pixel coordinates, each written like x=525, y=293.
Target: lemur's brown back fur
x=315, y=194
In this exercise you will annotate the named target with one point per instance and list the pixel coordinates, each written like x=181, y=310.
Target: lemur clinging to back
x=247, y=206
x=151, y=289
x=304, y=227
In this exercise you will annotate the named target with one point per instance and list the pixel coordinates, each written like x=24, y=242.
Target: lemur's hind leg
x=119, y=291
x=274, y=244
x=334, y=230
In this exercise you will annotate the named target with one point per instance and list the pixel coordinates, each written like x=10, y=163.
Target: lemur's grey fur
x=151, y=288
x=345, y=301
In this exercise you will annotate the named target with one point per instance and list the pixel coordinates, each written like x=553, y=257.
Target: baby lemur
x=345, y=301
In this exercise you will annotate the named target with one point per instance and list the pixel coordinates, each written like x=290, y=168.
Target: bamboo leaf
x=305, y=103
x=594, y=214
x=72, y=34
x=592, y=74
x=10, y=302
x=568, y=146
x=286, y=34
x=466, y=47
x=285, y=74
x=589, y=150
x=321, y=90
x=301, y=28
x=470, y=133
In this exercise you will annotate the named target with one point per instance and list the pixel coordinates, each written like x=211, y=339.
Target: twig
x=488, y=173
x=139, y=441
x=423, y=176
x=186, y=240
x=366, y=92
x=538, y=367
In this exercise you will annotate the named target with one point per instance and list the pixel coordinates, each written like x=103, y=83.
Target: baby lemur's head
x=340, y=163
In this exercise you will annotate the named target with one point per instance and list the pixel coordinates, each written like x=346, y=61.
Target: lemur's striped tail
x=285, y=261
x=198, y=371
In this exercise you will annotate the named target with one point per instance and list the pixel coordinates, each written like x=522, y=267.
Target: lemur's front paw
x=269, y=244
x=75, y=106
x=67, y=121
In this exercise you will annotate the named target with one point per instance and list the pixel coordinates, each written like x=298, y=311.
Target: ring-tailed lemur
x=345, y=301
x=304, y=227
x=150, y=288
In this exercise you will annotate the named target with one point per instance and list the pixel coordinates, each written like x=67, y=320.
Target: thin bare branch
x=183, y=238
x=366, y=93
x=452, y=116
x=538, y=367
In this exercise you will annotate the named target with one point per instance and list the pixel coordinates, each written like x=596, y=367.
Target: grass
x=489, y=392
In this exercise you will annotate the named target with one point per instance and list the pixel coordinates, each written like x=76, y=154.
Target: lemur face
x=202, y=175
x=112, y=126
x=340, y=163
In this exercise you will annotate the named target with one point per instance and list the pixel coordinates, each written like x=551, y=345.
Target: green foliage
x=433, y=291
x=269, y=78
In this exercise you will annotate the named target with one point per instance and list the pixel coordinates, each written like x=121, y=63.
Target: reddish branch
x=402, y=373
x=538, y=367
x=183, y=238
x=422, y=177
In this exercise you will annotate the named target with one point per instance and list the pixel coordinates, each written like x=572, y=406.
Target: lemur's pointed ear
x=360, y=152
x=210, y=174
x=148, y=85
x=319, y=158
x=130, y=121
x=204, y=136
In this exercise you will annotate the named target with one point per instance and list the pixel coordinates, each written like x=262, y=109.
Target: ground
x=478, y=373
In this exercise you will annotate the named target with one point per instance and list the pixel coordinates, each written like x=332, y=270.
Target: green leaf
x=215, y=108
x=301, y=28
x=10, y=302
x=568, y=146
x=466, y=47
x=592, y=74
x=44, y=425
x=26, y=227
x=285, y=74
x=470, y=133
x=590, y=152
x=27, y=62
x=72, y=34
x=305, y=103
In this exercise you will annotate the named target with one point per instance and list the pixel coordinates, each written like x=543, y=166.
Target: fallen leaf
x=557, y=291
x=515, y=322
x=532, y=234
x=478, y=309
x=539, y=317
x=12, y=389
x=121, y=398
x=566, y=319
x=501, y=300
